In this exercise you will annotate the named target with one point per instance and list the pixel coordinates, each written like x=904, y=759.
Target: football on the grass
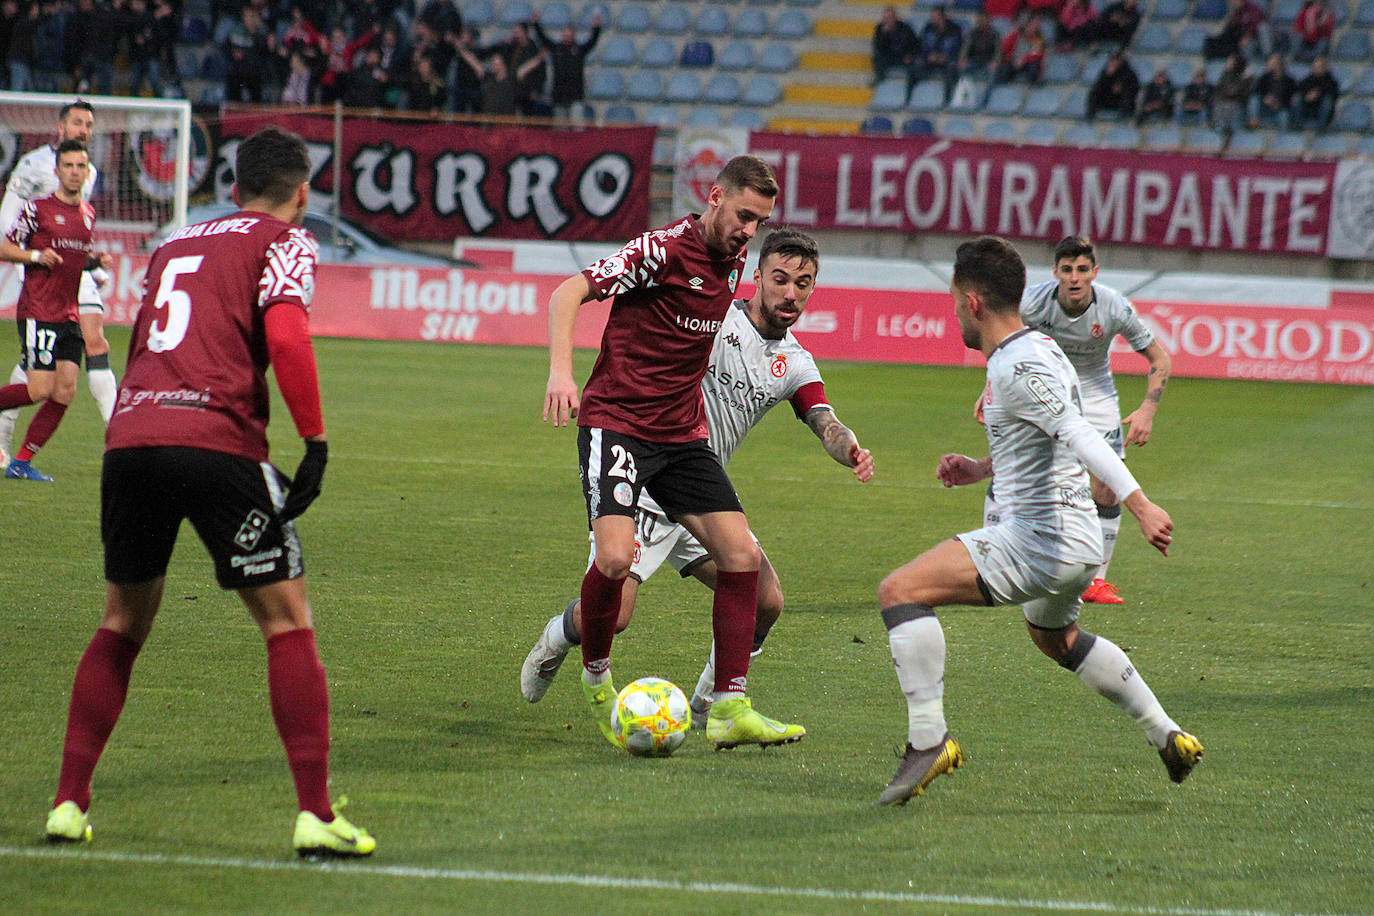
x=651, y=717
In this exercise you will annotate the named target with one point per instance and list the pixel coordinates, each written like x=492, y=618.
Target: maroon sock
x=600, y=607
x=300, y=707
x=102, y=683
x=732, y=624
x=14, y=396
x=41, y=428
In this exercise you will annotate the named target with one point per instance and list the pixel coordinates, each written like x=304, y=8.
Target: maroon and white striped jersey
x=198, y=352
x=50, y=293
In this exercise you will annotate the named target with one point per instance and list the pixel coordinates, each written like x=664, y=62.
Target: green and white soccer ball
x=651, y=717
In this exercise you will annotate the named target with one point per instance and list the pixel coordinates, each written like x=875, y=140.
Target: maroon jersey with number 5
x=50, y=293
x=671, y=294
x=197, y=373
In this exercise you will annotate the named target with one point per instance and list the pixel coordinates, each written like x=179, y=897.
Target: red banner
x=925, y=184
x=418, y=180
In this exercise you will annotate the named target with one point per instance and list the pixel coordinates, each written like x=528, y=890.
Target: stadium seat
x=555, y=15
x=1180, y=71
x=1354, y=116
x=1246, y=143
x=713, y=22
x=876, y=125
x=589, y=14
x=616, y=51
x=792, y=24
x=683, y=86
x=763, y=2
x=1080, y=135
x=620, y=113
x=1000, y=132
x=1121, y=136
x=1282, y=145
x=761, y=90
x=1364, y=85
x=1041, y=102
x=751, y=22
x=1169, y=10
x=1152, y=38
x=1352, y=47
x=673, y=20
x=662, y=116
x=634, y=19
x=657, y=54
x=697, y=53
x=748, y=118
x=918, y=127
x=1189, y=41
x=1203, y=140
x=1364, y=146
x=704, y=117
x=645, y=86
x=1045, y=133
x=737, y=55
x=1331, y=144
x=1062, y=68
x=723, y=1
x=1209, y=10
x=958, y=129
x=1163, y=137
x=967, y=102
x=1285, y=11
x=1092, y=68
x=889, y=95
x=809, y=2
x=1004, y=101
x=928, y=96
x=1214, y=68
x=604, y=85
x=778, y=58
x=515, y=11
x=1364, y=15
x=722, y=89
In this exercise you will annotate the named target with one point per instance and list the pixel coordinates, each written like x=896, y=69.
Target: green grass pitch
x=451, y=527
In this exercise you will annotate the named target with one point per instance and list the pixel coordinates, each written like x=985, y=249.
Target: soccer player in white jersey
x=755, y=365
x=1084, y=317
x=35, y=176
x=1047, y=543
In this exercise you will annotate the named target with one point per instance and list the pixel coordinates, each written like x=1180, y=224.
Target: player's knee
x=97, y=345
x=614, y=563
x=897, y=589
x=738, y=558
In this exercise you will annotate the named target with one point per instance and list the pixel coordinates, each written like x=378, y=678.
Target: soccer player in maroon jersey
x=188, y=439
x=53, y=239
x=642, y=425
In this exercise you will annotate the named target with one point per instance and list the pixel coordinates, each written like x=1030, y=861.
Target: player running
x=34, y=177
x=189, y=440
x=755, y=365
x=643, y=427
x=53, y=240
x=1045, y=547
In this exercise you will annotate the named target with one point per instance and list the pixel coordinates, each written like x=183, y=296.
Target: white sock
x=918, y=654
x=1108, y=670
x=8, y=417
x=1110, y=527
x=104, y=389
x=595, y=680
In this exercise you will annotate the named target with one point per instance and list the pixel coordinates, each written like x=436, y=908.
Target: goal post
x=141, y=147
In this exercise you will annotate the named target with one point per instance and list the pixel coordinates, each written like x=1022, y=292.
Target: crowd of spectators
x=1271, y=97
x=387, y=54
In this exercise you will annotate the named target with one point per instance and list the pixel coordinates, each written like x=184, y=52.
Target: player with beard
x=755, y=365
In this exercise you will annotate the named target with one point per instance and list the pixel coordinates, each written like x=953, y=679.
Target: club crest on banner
x=701, y=154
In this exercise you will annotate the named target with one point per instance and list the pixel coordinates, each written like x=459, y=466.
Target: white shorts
x=1104, y=415
x=657, y=540
x=1017, y=568
x=88, y=296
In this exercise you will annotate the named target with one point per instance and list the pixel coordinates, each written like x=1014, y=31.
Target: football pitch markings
x=606, y=882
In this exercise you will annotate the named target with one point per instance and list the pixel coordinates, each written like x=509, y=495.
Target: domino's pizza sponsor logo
x=248, y=535
x=255, y=564
x=623, y=493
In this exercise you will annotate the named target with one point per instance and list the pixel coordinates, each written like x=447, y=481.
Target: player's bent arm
x=840, y=442
x=1141, y=421
x=14, y=254
x=560, y=396
x=1155, y=523
x=961, y=470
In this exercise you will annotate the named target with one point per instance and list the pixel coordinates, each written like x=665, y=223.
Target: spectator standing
x=22, y=54
x=466, y=73
x=299, y=81
x=1196, y=104
x=145, y=51
x=1023, y=54
x=1157, y=101
x=1078, y=25
x=568, y=59
x=1315, y=99
x=1272, y=99
x=526, y=61
x=366, y=84
x=426, y=91
x=1119, y=22
x=500, y=88
x=941, y=41
x=981, y=48
x=1231, y=95
x=395, y=65
x=441, y=16
x=894, y=45
x=246, y=45
x=1115, y=89
x=340, y=52
x=91, y=37
x=1313, y=28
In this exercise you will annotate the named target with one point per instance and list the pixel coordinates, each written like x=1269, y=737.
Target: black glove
x=306, y=484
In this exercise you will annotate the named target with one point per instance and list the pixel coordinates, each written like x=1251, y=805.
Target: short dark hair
x=1074, y=246
x=748, y=172
x=786, y=242
x=70, y=146
x=79, y=103
x=270, y=165
x=992, y=267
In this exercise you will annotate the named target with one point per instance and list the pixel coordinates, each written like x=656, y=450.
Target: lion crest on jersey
x=779, y=365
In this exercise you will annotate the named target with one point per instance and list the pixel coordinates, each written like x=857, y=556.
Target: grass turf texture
x=450, y=529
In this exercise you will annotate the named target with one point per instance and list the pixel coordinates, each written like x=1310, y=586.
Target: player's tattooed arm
x=1141, y=421
x=840, y=442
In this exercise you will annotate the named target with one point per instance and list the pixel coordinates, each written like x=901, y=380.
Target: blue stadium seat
x=683, y=86
x=1293, y=145
x=778, y=58
x=1335, y=145
x=604, y=85
x=737, y=55
x=1163, y=137
x=751, y=22
x=763, y=2
x=1152, y=38
x=968, y=102
x=704, y=117
x=1355, y=116
x=1092, y=68
x=747, y=118
x=876, y=125
x=1365, y=84
x=645, y=86
x=722, y=89
x=1004, y=100
x=1209, y=10
x=1352, y=47
x=620, y=113
x=555, y=15
x=1073, y=103
x=1246, y=143
x=1169, y=10
x=889, y=95
x=1081, y=135
x=1121, y=136
x=515, y=11
x=589, y=14
x=1041, y=102
x=657, y=54
x=958, y=129
x=634, y=19
x=1062, y=68
x=1045, y=133
x=1189, y=42
x=1000, y=132
x=1285, y=11
x=1180, y=71
x=1364, y=146
x=662, y=116
x=615, y=51
x=673, y=20
x=761, y=90
x=810, y=2
x=918, y=127
x=1364, y=16
x=1204, y=140
x=928, y=96
x=713, y=21
x=697, y=53
x=792, y=24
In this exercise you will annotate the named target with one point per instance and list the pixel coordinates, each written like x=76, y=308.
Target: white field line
x=700, y=888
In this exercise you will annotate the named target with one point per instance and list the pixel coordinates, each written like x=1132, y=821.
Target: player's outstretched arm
x=560, y=395
x=840, y=442
x=961, y=470
x=1155, y=523
x=1141, y=420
